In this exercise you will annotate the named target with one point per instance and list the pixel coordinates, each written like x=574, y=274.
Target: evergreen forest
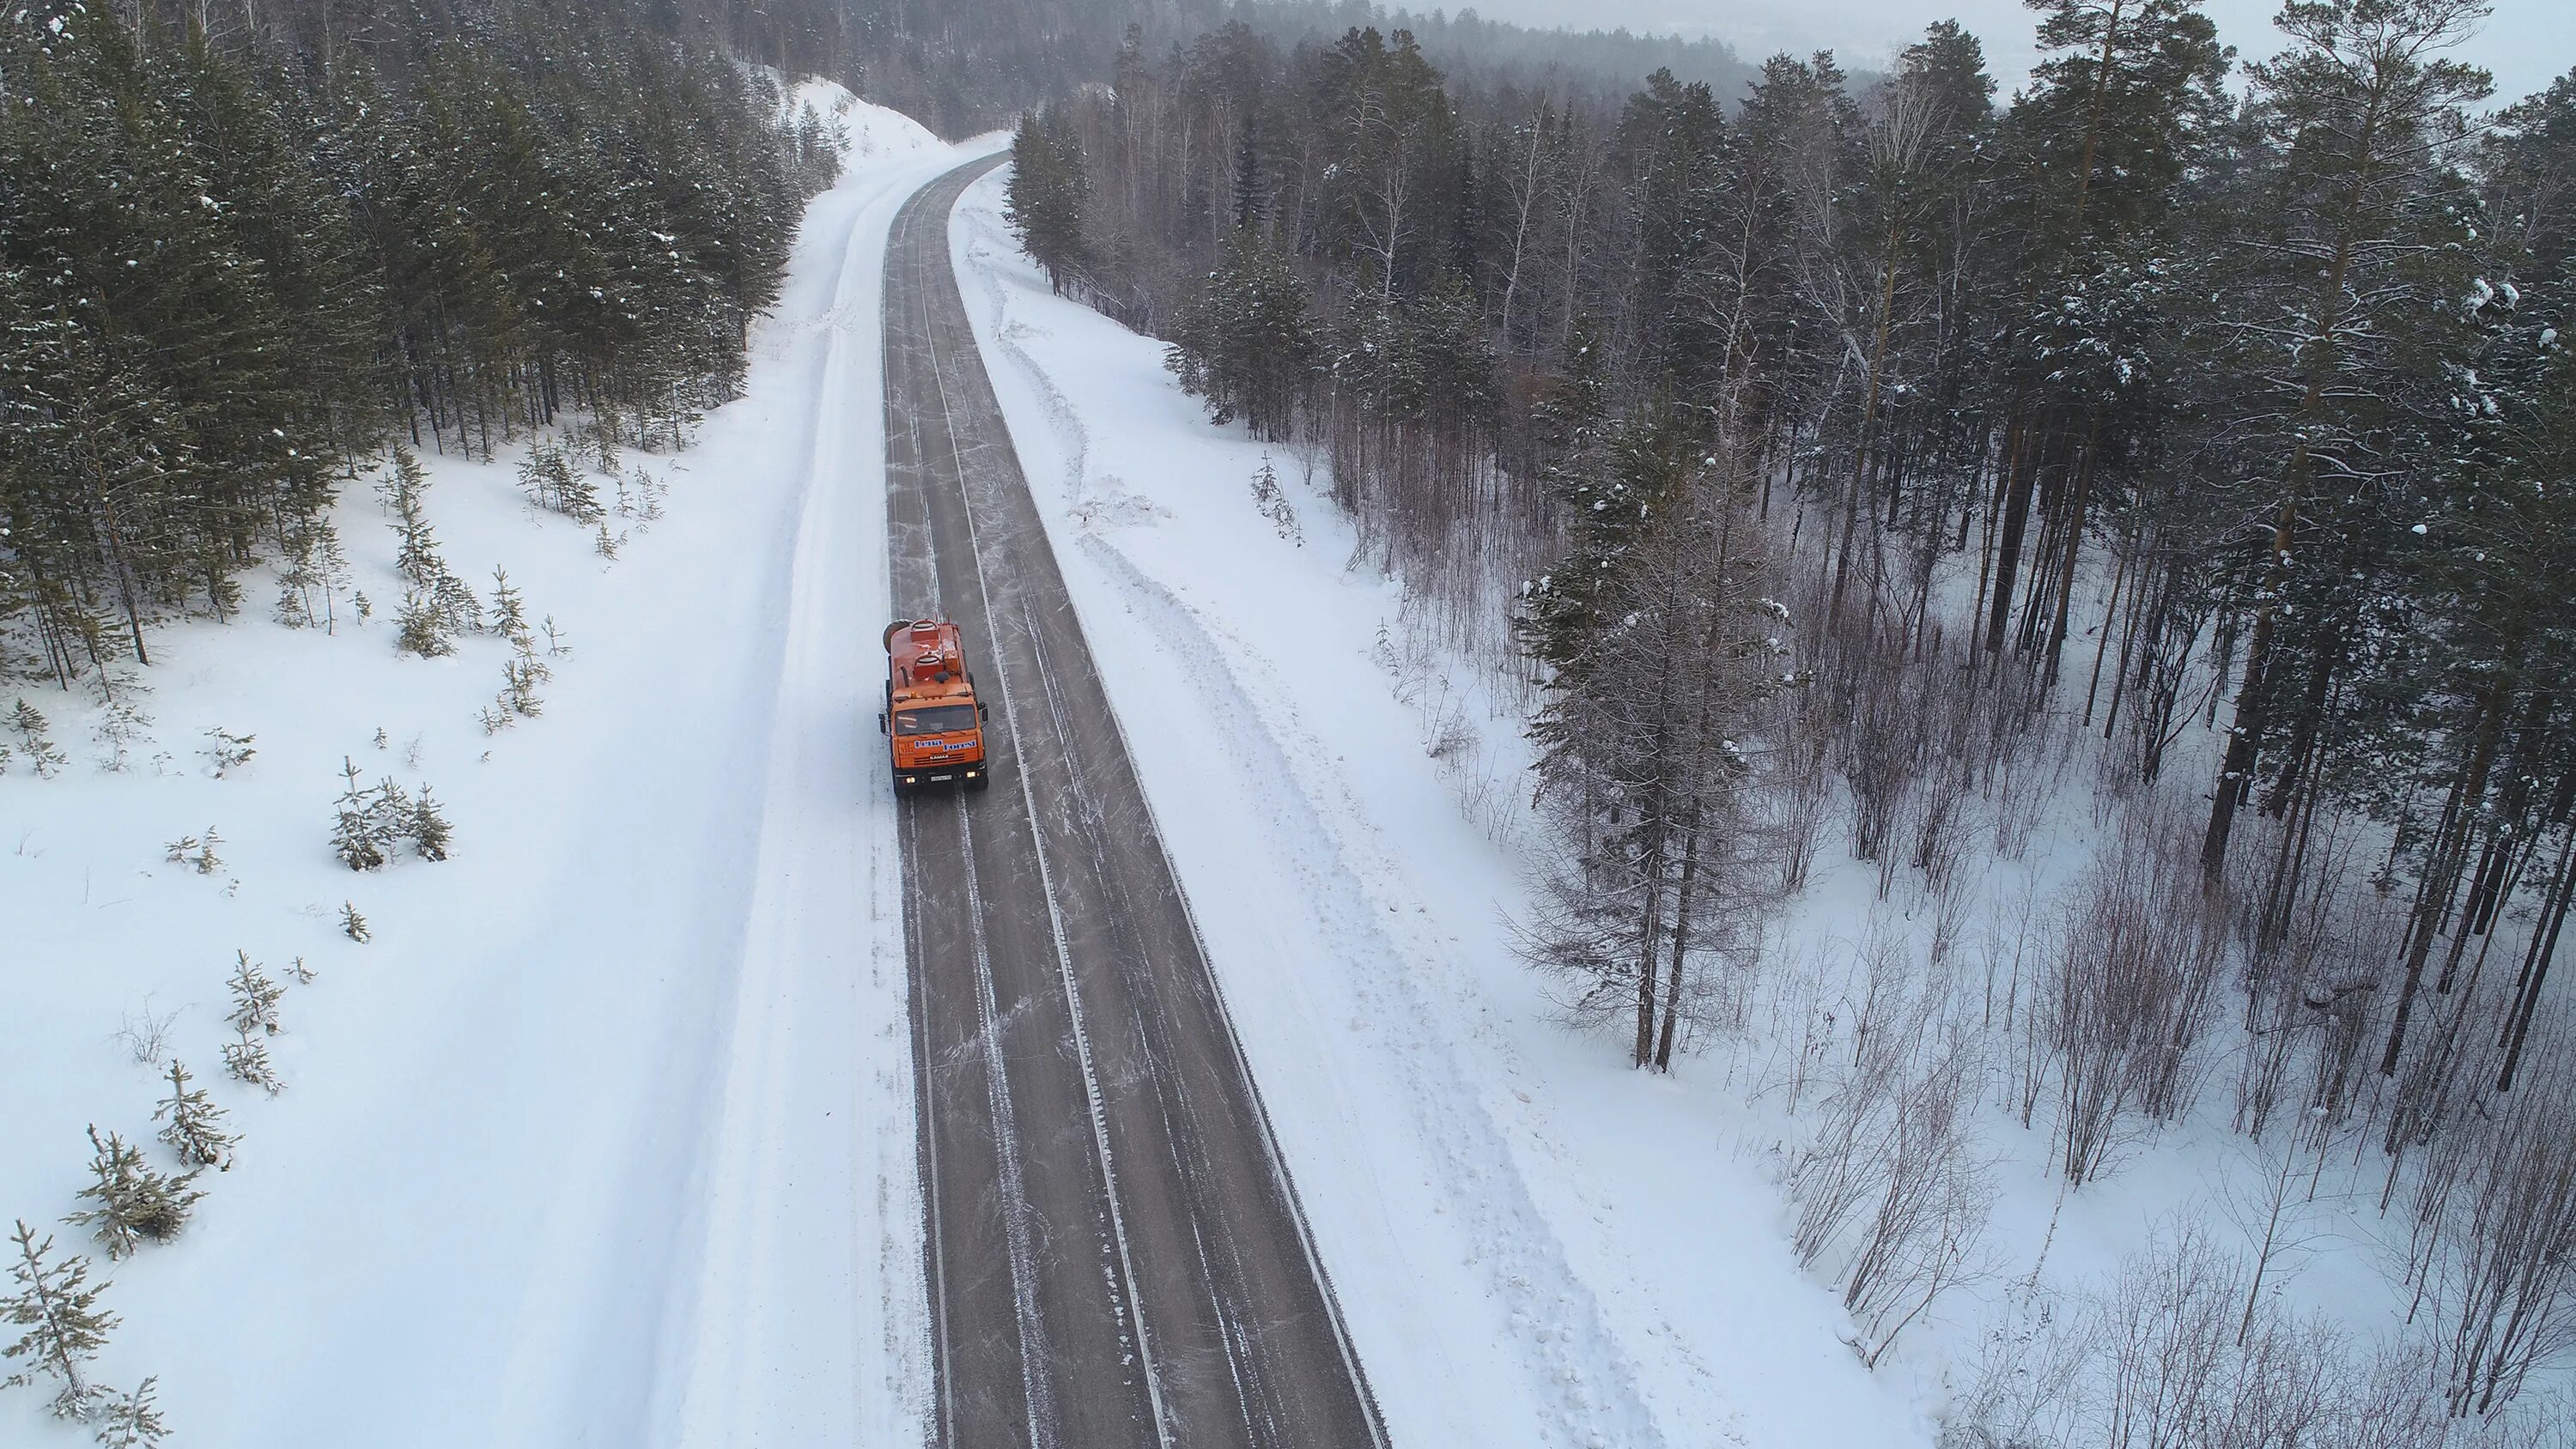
x=241, y=252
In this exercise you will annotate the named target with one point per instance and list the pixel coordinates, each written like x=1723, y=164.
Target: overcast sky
x=2527, y=43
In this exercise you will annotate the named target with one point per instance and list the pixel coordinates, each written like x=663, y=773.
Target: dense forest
x=243, y=249
x=1840, y=454
x=242, y=252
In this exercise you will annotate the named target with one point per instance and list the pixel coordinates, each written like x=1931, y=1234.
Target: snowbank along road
x=1115, y=1253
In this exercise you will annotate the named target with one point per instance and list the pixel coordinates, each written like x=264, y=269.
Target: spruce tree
x=194, y=1125
x=134, y=1421
x=64, y=1325
x=255, y=997
x=246, y=1058
x=1245, y=341
x=359, y=834
x=1048, y=194
x=132, y=1203
x=427, y=826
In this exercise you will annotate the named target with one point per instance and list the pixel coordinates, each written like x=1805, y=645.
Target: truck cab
x=933, y=722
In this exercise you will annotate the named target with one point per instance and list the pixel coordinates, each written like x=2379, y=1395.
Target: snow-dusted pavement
x=1116, y=1256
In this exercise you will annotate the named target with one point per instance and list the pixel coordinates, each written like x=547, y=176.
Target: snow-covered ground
x=1533, y=1243
x=606, y=1135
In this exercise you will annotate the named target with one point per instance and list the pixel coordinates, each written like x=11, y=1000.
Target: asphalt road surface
x=1116, y=1255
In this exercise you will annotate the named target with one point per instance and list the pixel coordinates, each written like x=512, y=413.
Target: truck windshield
x=938, y=720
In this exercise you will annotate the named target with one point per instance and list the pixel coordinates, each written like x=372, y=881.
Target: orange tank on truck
x=933, y=721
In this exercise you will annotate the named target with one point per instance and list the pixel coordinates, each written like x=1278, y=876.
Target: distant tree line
x=1849, y=449
x=240, y=251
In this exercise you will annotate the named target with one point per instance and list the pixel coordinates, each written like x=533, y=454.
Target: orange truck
x=932, y=718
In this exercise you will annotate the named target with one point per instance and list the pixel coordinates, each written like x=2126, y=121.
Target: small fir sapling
x=196, y=852
x=607, y=544
x=255, y=997
x=37, y=739
x=134, y=1421
x=228, y=751
x=416, y=554
x=421, y=627
x=302, y=973
x=193, y=1125
x=353, y=925
x=1273, y=504
x=292, y=609
x=121, y=722
x=65, y=1326
x=558, y=643
x=458, y=608
x=519, y=680
x=133, y=1203
x=428, y=827
x=509, y=611
x=380, y=737
x=247, y=1060
x=355, y=837
x=365, y=606
x=315, y=564
x=557, y=482
x=649, y=493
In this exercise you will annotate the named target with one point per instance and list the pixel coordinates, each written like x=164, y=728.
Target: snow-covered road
x=1117, y=1258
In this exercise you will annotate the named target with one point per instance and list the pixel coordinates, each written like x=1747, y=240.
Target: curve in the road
x=1116, y=1257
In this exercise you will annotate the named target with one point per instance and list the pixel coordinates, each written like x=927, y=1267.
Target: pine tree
x=509, y=612
x=1048, y=194
x=427, y=826
x=195, y=1125
x=2341, y=341
x=422, y=626
x=353, y=925
x=133, y=1203
x=358, y=832
x=134, y=1421
x=1245, y=341
x=416, y=547
x=34, y=733
x=1658, y=686
x=246, y=1058
x=255, y=997
x=65, y=1326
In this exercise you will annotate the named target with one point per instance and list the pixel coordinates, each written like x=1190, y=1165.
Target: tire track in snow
x=756, y=1232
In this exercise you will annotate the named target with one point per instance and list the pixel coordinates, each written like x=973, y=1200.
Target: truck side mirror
x=983, y=712
x=881, y=722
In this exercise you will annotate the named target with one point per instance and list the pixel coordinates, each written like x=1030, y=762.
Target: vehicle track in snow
x=1116, y=1256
